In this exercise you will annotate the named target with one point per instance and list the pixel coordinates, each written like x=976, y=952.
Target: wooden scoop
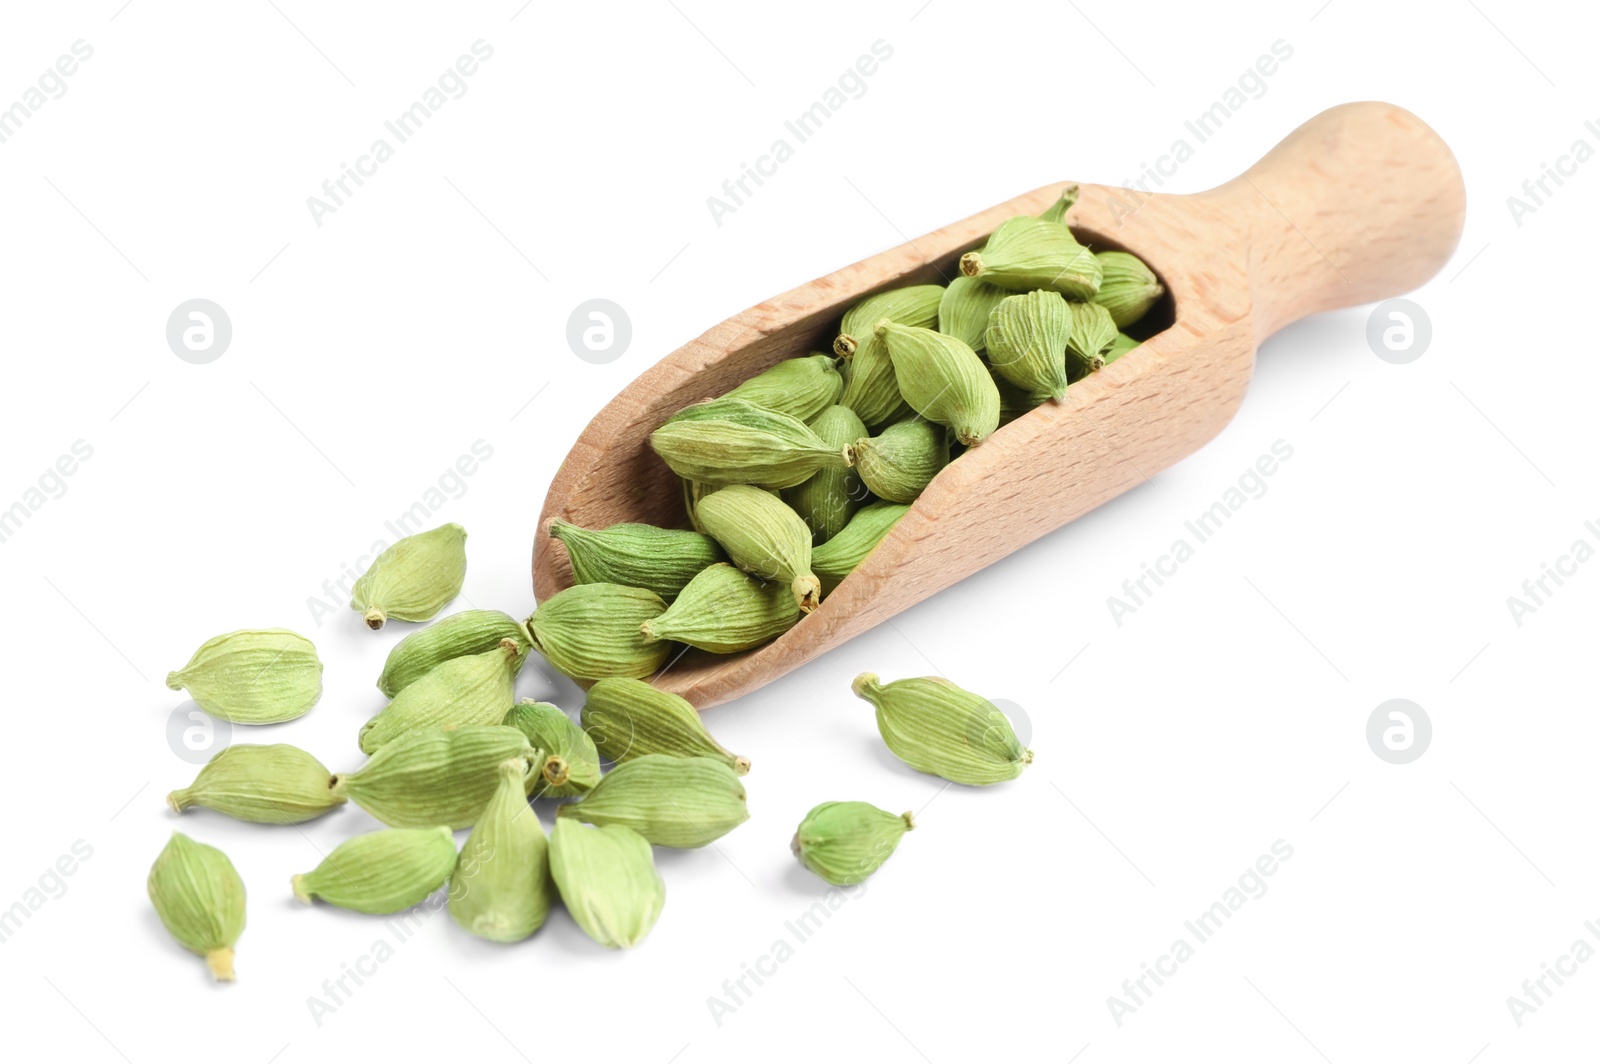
x=1361, y=203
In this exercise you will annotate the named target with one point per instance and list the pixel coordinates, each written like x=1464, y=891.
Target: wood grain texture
x=1363, y=202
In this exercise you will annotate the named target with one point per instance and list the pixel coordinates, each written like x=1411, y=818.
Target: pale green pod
x=845, y=842
x=433, y=776
x=549, y=728
x=476, y=689
x=591, y=631
x=629, y=719
x=381, y=872
x=684, y=802
x=1128, y=288
x=636, y=555
x=501, y=888
x=826, y=501
x=944, y=381
x=1027, y=253
x=800, y=387
x=838, y=558
x=725, y=610
x=964, y=310
x=916, y=305
x=763, y=536
x=253, y=676
x=199, y=897
x=1057, y=211
x=1119, y=347
x=456, y=636
x=731, y=441
x=1093, y=333
x=899, y=462
x=936, y=727
x=1027, y=342
x=872, y=391
x=414, y=578
x=277, y=784
x=608, y=881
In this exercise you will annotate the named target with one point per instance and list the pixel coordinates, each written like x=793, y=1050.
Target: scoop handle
x=1361, y=203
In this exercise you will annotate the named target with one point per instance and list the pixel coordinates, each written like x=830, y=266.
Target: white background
x=429, y=312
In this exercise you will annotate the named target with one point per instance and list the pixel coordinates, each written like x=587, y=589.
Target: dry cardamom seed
x=1027, y=340
x=629, y=719
x=277, y=784
x=899, y=462
x=433, y=776
x=731, y=441
x=608, y=881
x=845, y=842
x=826, y=501
x=725, y=610
x=838, y=558
x=382, y=871
x=200, y=898
x=964, y=310
x=475, y=689
x=636, y=555
x=916, y=305
x=763, y=536
x=1027, y=253
x=943, y=380
x=684, y=802
x=936, y=727
x=501, y=888
x=253, y=676
x=591, y=631
x=549, y=728
x=413, y=579
x=1128, y=288
x=799, y=387
x=456, y=636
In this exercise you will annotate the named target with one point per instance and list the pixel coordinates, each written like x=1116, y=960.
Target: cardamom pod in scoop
x=200, y=898
x=413, y=579
x=253, y=676
x=826, y=501
x=1026, y=253
x=763, y=536
x=845, y=842
x=382, y=871
x=1027, y=341
x=629, y=719
x=872, y=391
x=725, y=610
x=277, y=784
x=943, y=380
x=731, y=441
x=936, y=727
x=899, y=462
x=1128, y=288
x=636, y=555
x=914, y=305
x=837, y=558
x=591, y=631
x=1093, y=333
x=608, y=881
x=799, y=387
x=964, y=310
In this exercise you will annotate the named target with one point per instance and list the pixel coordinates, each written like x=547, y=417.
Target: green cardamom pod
x=200, y=898
x=1119, y=347
x=871, y=390
x=684, y=802
x=549, y=728
x=591, y=631
x=725, y=610
x=1093, y=333
x=413, y=579
x=1128, y=288
x=381, y=872
x=501, y=888
x=629, y=719
x=944, y=381
x=277, y=784
x=899, y=462
x=845, y=842
x=433, y=776
x=456, y=636
x=1027, y=253
x=916, y=305
x=1027, y=341
x=253, y=676
x=964, y=310
x=475, y=689
x=634, y=555
x=838, y=558
x=608, y=881
x=799, y=387
x=763, y=536
x=730, y=441
x=826, y=501
x=938, y=728
x=1057, y=211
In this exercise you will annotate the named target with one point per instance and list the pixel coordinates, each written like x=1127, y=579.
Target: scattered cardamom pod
x=591, y=631
x=943, y=380
x=456, y=636
x=1093, y=333
x=763, y=536
x=964, y=310
x=838, y=558
x=629, y=719
x=1128, y=288
x=381, y=872
x=608, y=881
x=684, y=802
x=936, y=727
x=916, y=305
x=1119, y=347
x=475, y=689
x=845, y=842
x=433, y=776
x=200, y=898
x=899, y=462
x=731, y=441
x=501, y=888
x=634, y=555
x=549, y=728
x=1027, y=341
x=725, y=610
x=253, y=676
x=826, y=501
x=277, y=784
x=799, y=387
x=413, y=579
x=1057, y=211
x=871, y=390
x=1027, y=253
